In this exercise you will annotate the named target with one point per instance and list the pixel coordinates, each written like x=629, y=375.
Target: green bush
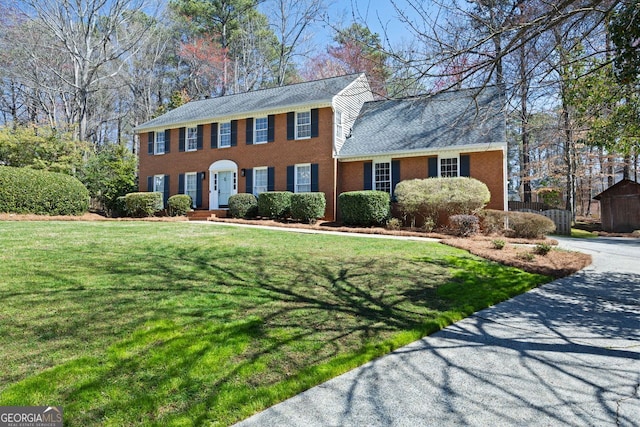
x=179, y=205
x=431, y=197
x=274, y=204
x=308, y=207
x=142, y=205
x=529, y=225
x=243, y=205
x=366, y=208
x=498, y=244
x=542, y=249
x=25, y=190
x=464, y=225
x=394, y=224
x=119, y=208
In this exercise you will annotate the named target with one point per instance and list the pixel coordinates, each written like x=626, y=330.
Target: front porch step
x=206, y=215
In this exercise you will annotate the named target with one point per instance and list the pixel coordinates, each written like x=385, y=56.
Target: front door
x=225, y=187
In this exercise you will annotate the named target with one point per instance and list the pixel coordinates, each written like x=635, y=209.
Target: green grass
x=582, y=234
x=132, y=323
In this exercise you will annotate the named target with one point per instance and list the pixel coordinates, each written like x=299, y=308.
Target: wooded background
x=76, y=76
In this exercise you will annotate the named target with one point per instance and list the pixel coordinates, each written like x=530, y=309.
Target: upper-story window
x=382, y=176
x=339, y=132
x=449, y=167
x=158, y=147
x=225, y=134
x=261, y=130
x=303, y=124
x=192, y=139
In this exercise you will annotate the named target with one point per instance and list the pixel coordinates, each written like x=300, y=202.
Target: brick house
x=326, y=135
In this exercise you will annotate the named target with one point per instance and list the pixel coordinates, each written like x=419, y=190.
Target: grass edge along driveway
x=184, y=324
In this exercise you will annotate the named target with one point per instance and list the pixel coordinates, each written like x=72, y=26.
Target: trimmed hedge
x=179, y=204
x=143, y=204
x=243, y=205
x=368, y=207
x=520, y=224
x=25, y=190
x=274, y=204
x=308, y=207
x=464, y=225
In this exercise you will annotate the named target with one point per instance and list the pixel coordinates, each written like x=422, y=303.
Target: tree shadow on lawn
x=189, y=339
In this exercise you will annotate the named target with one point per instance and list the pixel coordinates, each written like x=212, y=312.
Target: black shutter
x=314, y=122
x=199, y=179
x=291, y=126
x=167, y=140
x=368, y=171
x=181, y=183
x=150, y=136
x=395, y=175
x=200, y=136
x=181, y=138
x=234, y=133
x=249, y=131
x=290, y=178
x=465, y=165
x=248, y=176
x=433, y=167
x=271, y=127
x=214, y=135
x=166, y=189
x=149, y=183
x=271, y=174
x=314, y=177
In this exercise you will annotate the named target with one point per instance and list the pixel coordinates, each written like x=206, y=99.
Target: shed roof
x=625, y=186
x=445, y=120
x=300, y=94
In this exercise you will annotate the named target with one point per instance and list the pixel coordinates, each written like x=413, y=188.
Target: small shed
x=620, y=207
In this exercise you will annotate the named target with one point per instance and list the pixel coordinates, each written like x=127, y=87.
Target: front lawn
x=136, y=323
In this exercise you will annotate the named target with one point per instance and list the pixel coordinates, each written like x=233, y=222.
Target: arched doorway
x=223, y=183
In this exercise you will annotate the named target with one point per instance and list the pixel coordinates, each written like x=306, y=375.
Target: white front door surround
x=223, y=183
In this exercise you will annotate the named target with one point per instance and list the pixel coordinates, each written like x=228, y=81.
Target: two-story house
x=326, y=135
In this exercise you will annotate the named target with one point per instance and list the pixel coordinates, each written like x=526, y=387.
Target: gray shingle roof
x=445, y=120
x=307, y=93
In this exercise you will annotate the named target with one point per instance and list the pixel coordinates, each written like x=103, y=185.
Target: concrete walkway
x=565, y=354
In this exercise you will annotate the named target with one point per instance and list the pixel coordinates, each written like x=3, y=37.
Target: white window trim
x=339, y=132
x=155, y=182
x=373, y=174
x=186, y=189
x=195, y=139
x=155, y=143
x=296, y=125
x=255, y=130
x=440, y=158
x=295, y=177
x=266, y=186
x=220, y=135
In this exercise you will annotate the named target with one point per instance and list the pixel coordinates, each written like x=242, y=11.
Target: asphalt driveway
x=567, y=353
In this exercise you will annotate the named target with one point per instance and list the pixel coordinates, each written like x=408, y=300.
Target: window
x=192, y=139
x=260, y=180
x=449, y=167
x=382, y=176
x=159, y=143
x=261, y=130
x=303, y=125
x=191, y=186
x=225, y=134
x=339, y=133
x=303, y=178
x=158, y=183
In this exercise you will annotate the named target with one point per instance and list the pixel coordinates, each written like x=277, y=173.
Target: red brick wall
x=278, y=154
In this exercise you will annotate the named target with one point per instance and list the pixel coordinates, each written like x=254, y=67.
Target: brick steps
x=206, y=215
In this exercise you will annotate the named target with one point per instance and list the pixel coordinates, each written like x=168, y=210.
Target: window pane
x=303, y=179
x=259, y=181
x=339, y=124
x=303, y=124
x=159, y=143
x=192, y=139
x=261, y=131
x=225, y=134
x=383, y=177
x=449, y=167
x=191, y=186
x=158, y=183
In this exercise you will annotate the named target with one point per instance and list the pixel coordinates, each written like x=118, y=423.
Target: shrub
x=142, y=205
x=464, y=225
x=308, y=207
x=529, y=225
x=25, y=190
x=119, y=207
x=542, y=249
x=367, y=207
x=179, y=204
x=433, y=196
x=243, y=205
x=492, y=221
x=394, y=224
x=428, y=225
x=498, y=244
x=274, y=204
